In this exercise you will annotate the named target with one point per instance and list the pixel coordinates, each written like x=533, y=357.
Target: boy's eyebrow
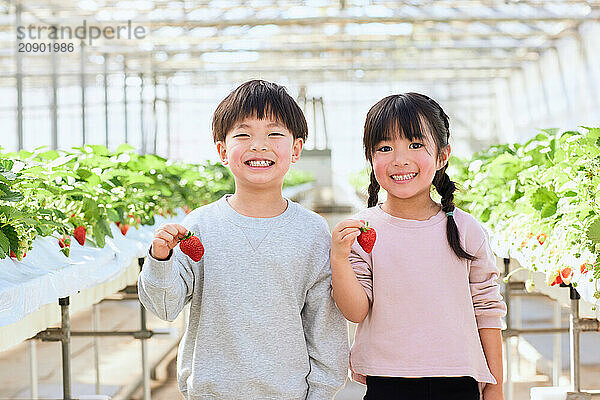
x=274, y=125
x=242, y=125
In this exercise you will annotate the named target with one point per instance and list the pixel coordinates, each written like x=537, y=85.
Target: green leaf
x=113, y=215
x=99, y=235
x=549, y=210
x=570, y=193
x=11, y=196
x=485, y=215
x=10, y=232
x=541, y=197
x=593, y=232
x=4, y=242
x=124, y=148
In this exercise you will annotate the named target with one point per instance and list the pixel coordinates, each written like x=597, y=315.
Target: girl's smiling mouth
x=403, y=178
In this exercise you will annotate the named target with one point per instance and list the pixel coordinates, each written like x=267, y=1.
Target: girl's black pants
x=429, y=388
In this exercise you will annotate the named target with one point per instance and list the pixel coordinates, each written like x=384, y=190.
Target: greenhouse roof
x=311, y=40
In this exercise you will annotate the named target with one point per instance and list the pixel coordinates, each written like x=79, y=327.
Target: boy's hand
x=343, y=236
x=165, y=239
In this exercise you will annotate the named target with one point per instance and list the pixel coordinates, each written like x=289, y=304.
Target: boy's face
x=259, y=152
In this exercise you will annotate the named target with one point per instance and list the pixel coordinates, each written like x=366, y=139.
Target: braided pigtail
x=373, y=191
x=445, y=187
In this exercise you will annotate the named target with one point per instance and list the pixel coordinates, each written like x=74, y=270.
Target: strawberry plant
x=80, y=192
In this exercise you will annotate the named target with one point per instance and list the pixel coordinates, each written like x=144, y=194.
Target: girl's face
x=405, y=168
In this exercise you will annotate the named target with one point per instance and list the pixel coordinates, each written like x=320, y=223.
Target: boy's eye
x=384, y=149
x=417, y=144
x=241, y=135
x=276, y=134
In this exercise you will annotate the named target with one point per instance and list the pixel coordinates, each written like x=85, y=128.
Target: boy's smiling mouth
x=259, y=163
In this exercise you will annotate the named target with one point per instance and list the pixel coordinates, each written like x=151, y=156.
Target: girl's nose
x=400, y=159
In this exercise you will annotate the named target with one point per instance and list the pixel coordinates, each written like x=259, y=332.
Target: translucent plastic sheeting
x=46, y=275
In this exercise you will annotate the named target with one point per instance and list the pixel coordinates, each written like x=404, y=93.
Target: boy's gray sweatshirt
x=262, y=323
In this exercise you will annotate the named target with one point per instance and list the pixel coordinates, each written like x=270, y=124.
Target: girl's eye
x=419, y=145
x=385, y=149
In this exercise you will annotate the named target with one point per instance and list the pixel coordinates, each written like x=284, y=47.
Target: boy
x=263, y=324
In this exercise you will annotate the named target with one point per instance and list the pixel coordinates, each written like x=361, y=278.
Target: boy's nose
x=259, y=146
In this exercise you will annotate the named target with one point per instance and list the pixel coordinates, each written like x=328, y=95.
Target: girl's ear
x=297, y=149
x=222, y=150
x=444, y=157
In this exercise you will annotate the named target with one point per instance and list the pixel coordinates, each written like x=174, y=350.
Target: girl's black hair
x=404, y=114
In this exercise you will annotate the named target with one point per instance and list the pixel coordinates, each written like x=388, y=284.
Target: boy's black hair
x=404, y=115
x=259, y=99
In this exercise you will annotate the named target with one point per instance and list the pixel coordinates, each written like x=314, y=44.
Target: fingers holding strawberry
x=165, y=239
x=343, y=236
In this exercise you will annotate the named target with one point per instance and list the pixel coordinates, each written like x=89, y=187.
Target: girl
x=426, y=299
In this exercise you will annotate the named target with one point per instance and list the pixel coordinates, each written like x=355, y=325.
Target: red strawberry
x=191, y=246
x=541, y=238
x=64, y=241
x=79, y=234
x=13, y=255
x=124, y=228
x=65, y=244
x=367, y=237
x=585, y=267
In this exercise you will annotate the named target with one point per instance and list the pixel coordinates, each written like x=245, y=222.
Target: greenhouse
x=128, y=124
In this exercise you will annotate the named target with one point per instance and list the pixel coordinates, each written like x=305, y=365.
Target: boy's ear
x=445, y=156
x=222, y=152
x=297, y=149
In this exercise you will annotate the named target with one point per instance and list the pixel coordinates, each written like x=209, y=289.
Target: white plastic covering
x=46, y=275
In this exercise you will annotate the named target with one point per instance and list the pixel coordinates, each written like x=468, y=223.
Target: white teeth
x=403, y=177
x=264, y=163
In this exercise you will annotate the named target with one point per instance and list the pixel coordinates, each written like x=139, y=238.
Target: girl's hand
x=165, y=239
x=493, y=392
x=343, y=236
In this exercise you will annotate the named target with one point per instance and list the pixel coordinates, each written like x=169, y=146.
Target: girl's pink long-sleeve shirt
x=426, y=304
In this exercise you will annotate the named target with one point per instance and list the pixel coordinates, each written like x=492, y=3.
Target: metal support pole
x=106, y=99
x=145, y=367
x=96, y=343
x=66, y=344
x=544, y=88
x=509, y=347
x=314, y=102
x=526, y=97
x=168, y=105
x=33, y=370
x=125, y=95
x=54, y=104
x=19, y=62
x=563, y=82
x=556, y=347
x=82, y=71
x=142, y=113
x=588, y=70
x=324, y=122
x=574, y=333
x=155, y=121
